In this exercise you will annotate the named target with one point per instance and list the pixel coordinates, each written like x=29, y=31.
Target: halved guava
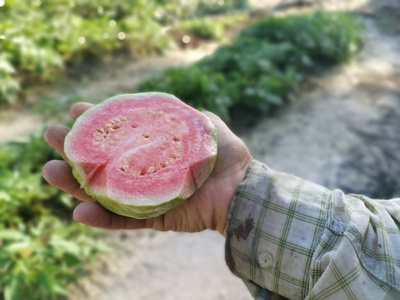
x=140, y=155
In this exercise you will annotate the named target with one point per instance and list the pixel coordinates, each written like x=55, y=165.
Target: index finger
x=79, y=108
x=55, y=134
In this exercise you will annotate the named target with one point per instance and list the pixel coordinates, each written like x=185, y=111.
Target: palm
x=206, y=209
x=210, y=204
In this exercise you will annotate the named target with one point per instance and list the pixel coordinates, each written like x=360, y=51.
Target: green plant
x=39, y=260
x=170, y=11
x=9, y=87
x=145, y=36
x=265, y=65
x=41, y=249
x=206, y=7
x=212, y=28
x=324, y=37
x=205, y=28
x=28, y=57
x=41, y=38
x=193, y=85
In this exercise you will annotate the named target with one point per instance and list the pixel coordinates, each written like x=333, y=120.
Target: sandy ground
x=157, y=265
x=18, y=124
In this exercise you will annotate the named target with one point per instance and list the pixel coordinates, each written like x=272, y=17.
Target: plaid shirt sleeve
x=289, y=238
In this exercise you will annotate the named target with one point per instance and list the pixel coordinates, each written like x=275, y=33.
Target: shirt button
x=265, y=260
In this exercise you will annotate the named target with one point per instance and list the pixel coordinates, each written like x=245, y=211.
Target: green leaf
x=12, y=291
x=20, y=246
x=9, y=234
x=60, y=290
x=65, y=246
x=47, y=283
x=5, y=196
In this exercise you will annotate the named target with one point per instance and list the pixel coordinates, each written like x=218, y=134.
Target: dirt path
x=345, y=131
x=18, y=124
x=151, y=265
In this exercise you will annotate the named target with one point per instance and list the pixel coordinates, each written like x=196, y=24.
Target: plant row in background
x=211, y=28
x=39, y=38
x=266, y=63
x=41, y=250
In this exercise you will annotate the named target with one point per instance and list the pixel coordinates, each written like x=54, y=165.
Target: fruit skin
x=144, y=211
x=137, y=211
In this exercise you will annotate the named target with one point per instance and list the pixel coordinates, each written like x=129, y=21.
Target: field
x=256, y=71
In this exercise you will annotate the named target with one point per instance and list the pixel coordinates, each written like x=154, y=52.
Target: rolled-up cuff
x=273, y=228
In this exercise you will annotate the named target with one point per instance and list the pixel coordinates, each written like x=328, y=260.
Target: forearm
x=298, y=239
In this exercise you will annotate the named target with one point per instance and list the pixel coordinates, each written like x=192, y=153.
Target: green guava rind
x=144, y=211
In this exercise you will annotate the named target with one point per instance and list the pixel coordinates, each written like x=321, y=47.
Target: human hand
x=208, y=208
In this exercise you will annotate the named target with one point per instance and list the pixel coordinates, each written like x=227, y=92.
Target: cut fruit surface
x=140, y=155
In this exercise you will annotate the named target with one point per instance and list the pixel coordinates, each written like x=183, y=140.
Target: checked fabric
x=288, y=238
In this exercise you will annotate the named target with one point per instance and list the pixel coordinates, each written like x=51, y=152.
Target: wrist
x=232, y=183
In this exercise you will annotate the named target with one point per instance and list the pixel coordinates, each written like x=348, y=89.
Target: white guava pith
x=140, y=155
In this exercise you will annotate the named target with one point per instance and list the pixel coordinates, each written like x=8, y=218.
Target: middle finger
x=55, y=137
x=59, y=174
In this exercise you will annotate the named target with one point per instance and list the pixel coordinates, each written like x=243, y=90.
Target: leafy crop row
x=211, y=28
x=265, y=65
x=41, y=37
x=41, y=249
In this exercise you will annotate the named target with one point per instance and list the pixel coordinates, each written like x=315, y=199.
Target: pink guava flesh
x=140, y=155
